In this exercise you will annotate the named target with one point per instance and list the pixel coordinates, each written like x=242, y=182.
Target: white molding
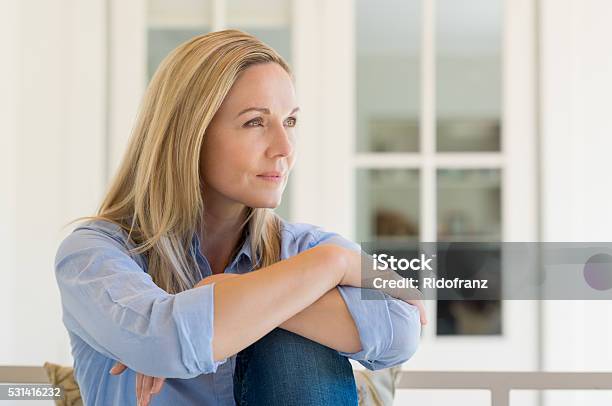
x=127, y=73
x=10, y=79
x=323, y=63
x=337, y=116
x=428, y=194
x=56, y=142
x=219, y=15
x=473, y=160
x=258, y=14
x=437, y=161
x=388, y=160
x=519, y=175
x=576, y=144
x=427, y=231
x=179, y=15
x=306, y=40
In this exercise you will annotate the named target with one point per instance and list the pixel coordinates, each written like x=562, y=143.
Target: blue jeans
x=283, y=368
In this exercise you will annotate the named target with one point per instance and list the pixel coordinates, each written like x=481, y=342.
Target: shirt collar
x=245, y=249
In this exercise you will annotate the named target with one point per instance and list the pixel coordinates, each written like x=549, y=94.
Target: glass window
x=468, y=77
x=387, y=69
x=387, y=204
x=469, y=204
x=469, y=209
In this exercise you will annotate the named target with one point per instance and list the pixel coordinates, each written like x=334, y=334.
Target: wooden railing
x=501, y=383
x=21, y=374
x=498, y=383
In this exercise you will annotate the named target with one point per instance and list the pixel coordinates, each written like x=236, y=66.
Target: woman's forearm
x=328, y=322
x=248, y=307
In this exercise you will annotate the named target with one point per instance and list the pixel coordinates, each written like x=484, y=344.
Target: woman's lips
x=271, y=176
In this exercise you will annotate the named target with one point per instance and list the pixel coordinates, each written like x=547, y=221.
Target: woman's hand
x=147, y=386
x=419, y=304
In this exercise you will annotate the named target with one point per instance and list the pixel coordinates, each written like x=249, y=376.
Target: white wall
x=9, y=69
x=576, y=95
x=52, y=160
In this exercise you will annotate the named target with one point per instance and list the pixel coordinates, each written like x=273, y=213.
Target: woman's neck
x=221, y=232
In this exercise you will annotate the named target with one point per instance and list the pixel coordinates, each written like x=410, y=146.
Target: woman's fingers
x=419, y=304
x=421, y=307
x=410, y=296
x=139, y=378
x=157, y=384
x=147, y=386
x=118, y=368
x=414, y=298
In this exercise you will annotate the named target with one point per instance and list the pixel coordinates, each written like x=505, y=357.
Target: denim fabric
x=283, y=368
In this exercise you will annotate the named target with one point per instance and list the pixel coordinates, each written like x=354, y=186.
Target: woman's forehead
x=262, y=86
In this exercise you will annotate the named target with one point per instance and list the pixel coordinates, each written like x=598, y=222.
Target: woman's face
x=248, y=148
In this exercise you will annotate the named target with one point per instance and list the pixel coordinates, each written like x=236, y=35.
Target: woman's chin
x=265, y=204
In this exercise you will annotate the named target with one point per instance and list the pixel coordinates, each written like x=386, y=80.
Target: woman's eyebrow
x=263, y=110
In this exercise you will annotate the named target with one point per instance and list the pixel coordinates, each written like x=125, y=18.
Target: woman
x=185, y=266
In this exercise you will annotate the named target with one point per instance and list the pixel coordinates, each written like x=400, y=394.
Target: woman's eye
x=291, y=121
x=254, y=122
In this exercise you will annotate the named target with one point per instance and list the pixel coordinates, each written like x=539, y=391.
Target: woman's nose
x=281, y=143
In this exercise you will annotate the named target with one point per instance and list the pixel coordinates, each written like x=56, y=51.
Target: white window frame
x=324, y=189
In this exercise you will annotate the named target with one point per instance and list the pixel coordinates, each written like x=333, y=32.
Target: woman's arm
x=366, y=325
x=115, y=307
x=378, y=333
x=327, y=321
x=257, y=302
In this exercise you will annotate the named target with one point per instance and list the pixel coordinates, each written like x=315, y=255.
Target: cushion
x=64, y=377
x=376, y=388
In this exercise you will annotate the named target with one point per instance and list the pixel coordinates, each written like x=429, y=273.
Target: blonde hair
x=156, y=195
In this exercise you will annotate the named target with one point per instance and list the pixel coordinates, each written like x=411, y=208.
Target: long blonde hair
x=156, y=195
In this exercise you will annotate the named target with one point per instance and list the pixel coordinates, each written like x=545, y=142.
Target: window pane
x=469, y=209
x=469, y=204
x=387, y=70
x=172, y=22
x=468, y=317
x=387, y=204
x=468, y=63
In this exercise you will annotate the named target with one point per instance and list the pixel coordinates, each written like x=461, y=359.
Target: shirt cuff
x=373, y=321
x=196, y=307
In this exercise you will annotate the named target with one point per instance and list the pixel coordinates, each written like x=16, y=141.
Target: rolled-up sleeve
x=115, y=307
x=389, y=329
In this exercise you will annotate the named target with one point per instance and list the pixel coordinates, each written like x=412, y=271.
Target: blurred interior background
x=431, y=120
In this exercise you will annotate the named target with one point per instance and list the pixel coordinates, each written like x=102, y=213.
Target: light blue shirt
x=113, y=311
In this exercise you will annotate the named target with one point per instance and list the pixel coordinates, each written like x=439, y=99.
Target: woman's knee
x=285, y=368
